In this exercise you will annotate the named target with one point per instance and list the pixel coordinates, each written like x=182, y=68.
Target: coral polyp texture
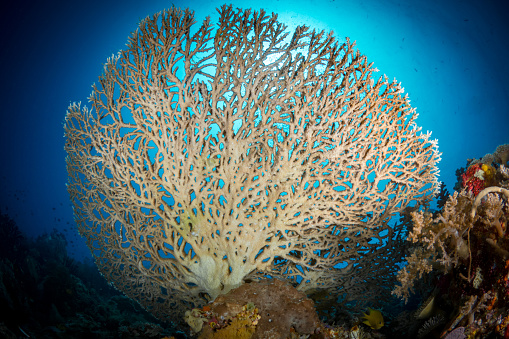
x=212, y=155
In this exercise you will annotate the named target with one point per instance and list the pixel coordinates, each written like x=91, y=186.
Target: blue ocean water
x=450, y=57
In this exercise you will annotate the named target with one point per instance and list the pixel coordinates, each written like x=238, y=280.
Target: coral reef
x=241, y=325
x=46, y=294
x=281, y=307
x=271, y=310
x=466, y=246
x=500, y=156
x=477, y=177
x=215, y=156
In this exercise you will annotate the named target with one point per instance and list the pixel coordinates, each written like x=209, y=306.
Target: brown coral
x=502, y=154
x=447, y=239
x=281, y=308
x=467, y=242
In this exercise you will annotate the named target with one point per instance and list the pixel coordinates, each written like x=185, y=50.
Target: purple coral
x=458, y=333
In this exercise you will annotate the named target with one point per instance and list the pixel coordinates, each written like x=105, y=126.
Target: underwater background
x=450, y=57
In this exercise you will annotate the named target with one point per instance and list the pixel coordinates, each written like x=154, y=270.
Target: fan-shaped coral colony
x=255, y=182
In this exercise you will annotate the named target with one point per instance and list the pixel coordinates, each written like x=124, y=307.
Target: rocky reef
x=44, y=293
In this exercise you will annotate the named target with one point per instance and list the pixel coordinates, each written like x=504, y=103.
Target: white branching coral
x=215, y=155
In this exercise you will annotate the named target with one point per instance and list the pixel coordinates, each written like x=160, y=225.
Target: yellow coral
x=489, y=172
x=242, y=326
x=239, y=328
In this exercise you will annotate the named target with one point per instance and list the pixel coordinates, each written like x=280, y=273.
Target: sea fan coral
x=214, y=156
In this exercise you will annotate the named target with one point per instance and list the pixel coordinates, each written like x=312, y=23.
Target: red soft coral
x=474, y=183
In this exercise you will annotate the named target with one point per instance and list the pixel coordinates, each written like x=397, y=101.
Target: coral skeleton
x=211, y=156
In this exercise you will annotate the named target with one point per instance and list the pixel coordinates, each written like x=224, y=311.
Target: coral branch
x=237, y=153
x=500, y=251
x=483, y=193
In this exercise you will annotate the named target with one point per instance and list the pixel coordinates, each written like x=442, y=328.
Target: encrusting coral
x=272, y=308
x=214, y=156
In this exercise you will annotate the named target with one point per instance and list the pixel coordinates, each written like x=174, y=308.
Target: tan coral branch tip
x=483, y=193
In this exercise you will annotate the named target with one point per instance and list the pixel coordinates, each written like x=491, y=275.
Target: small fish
x=374, y=319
